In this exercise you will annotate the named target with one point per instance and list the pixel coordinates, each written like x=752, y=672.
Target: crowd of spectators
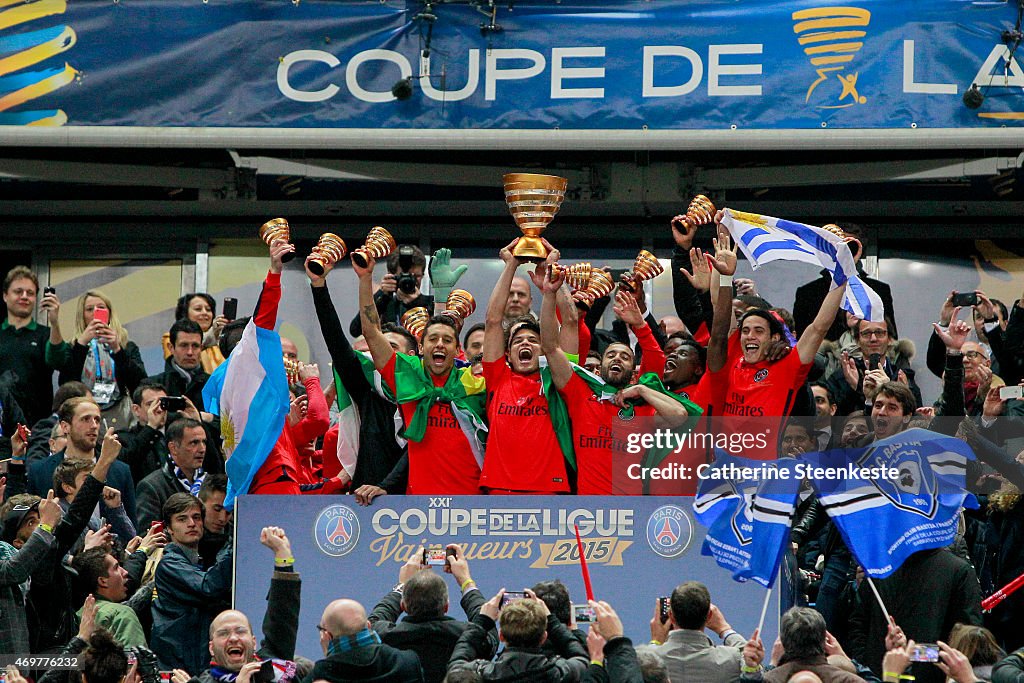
x=116, y=481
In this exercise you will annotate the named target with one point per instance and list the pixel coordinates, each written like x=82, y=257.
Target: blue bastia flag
x=748, y=507
x=249, y=391
x=885, y=520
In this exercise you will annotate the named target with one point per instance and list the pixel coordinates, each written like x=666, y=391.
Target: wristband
x=954, y=352
x=465, y=583
x=47, y=528
x=597, y=662
x=284, y=561
x=750, y=669
x=655, y=642
x=724, y=280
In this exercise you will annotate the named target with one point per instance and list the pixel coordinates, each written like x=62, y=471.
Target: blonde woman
x=104, y=359
x=201, y=308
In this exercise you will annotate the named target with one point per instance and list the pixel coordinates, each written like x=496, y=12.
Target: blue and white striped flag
x=883, y=519
x=748, y=507
x=764, y=239
x=249, y=391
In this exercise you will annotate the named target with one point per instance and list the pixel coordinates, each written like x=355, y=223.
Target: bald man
x=804, y=677
x=519, y=301
x=353, y=651
x=232, y=641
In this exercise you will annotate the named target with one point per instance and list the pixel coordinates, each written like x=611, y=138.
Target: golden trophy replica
x=700, y=212
x=600, y=284
x=848, y=239
x=459, y=306
x=646, y=266
x=379, y=243
x=291, y=370
x=577, y=275
x=328, y=251
x=533, y=200
x=415, y=321
x=277, y=229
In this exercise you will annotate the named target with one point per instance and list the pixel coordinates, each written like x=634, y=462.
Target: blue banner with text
x=641, y=65
x=637, y=549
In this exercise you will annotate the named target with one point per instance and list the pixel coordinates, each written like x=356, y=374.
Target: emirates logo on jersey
x=761, y=375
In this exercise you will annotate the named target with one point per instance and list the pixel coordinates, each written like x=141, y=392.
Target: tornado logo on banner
x=21, y=51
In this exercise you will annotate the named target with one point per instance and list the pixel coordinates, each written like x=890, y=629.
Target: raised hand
x=724, y=259
x=701, y=278
x=506, y=253
x=683, y=232
x=442, y=277
x=955, y=335
x=274, y=538
x=50, y=511
x=278, y=248
x=627, y=309
x=366, y=272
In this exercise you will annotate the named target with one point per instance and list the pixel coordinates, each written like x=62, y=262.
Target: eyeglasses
x=875, y=333
x=321, y=629
x=974, y=354
x=240, y=631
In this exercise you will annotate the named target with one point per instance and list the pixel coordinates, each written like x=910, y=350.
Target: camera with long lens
x=146, y=663
x=406, y=280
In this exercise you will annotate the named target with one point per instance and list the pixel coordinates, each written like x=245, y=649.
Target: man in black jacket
x=232, y=642
x=423, y=596
x=380, y=448
x=354, y=652
x=184, y=374
x=525, y=626
x=183, y=473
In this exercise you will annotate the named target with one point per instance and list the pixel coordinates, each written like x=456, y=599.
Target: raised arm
x=628, y=310
x=265, y=314
x=558, y=364
x=724, y=262
x=380, y=349
x=494, y=333
x=569, y=332
x=810, y=340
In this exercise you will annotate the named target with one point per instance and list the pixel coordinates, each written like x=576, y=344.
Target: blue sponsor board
x=637, y=549
x=627, y=66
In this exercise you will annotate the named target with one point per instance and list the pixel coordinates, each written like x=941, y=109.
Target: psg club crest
x=669, y=531
x=761, y=375
x=336, y=530
x=914, y=489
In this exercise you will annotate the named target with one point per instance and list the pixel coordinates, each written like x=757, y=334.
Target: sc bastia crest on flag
x=884, y=520
x=914, y=489
x=748, y=510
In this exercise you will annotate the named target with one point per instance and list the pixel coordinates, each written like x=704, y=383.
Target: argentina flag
x=764, y=239
x=249, y=391
x=886, y=519
x=748, y=507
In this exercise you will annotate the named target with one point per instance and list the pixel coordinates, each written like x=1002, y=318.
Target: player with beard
x=596, y=416
x=435, y=397
x=517, y=409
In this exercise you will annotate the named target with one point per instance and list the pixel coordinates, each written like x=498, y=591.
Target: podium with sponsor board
x=637, y=549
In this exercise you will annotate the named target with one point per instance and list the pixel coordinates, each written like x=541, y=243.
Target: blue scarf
x=345, y=643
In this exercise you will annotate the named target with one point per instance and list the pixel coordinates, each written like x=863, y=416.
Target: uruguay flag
x=885, y=520
x=249, y=391
x=748, y=507
x=764, y=239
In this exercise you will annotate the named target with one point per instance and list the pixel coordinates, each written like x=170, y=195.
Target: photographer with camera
x=399, y=291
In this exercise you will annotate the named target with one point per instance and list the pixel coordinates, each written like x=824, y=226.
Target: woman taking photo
x=104, y=359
